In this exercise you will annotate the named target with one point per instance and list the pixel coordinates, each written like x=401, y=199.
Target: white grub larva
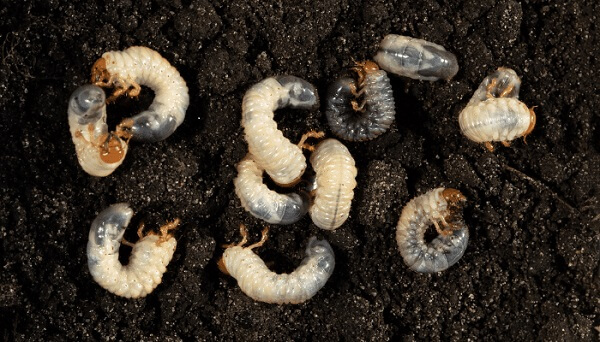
x=264, y=203
x=373, y=117
x=335, y=182
x=138, y=65
x=147, y=263
x=494, y=113
x=415, y=58
x=438, y=206
x=261, y=284
x=283, y=161
x=99, y=152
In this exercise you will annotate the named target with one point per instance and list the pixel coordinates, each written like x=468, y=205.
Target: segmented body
x=147, y=263
x=445, y=250
x=282, y=160
x=501, y=119
x=378, y=110
x=264, y=285
x=264, y=203
x=98, y=152
x=139, y=65
x=336, y=180
x=415, y=58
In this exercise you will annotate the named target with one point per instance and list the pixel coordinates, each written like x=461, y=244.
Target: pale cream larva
x=99, y=152
x=147, y=263
x=283, y=161
x=261, y=284
x=264, y=203
x=335, y=182
x=138, y=65
x=495, y=113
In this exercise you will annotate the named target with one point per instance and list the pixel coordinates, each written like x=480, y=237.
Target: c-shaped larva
x=436, y=206
x=261, y=284
x=147, y=263
x=335, y=182
x=415, y=58
x=138, y=65
x=495, y=113
x=281, y=159
x=373, y=117
x=99, y=152
x=264, y=203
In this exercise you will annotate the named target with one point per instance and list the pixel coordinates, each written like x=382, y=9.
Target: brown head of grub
x=455, y=200
x=100, y=75
x=363, y=69
x=112, y=150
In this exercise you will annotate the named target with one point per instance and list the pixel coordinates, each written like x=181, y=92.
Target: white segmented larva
x=261, y=284
x=335, y=182
x=436, y=206
x=494, y=113
x=264, y=203
x=99, y=152
x=147, y=263
x=281, y=159
x=138, y=65
x=502, y=119
x=415, y=58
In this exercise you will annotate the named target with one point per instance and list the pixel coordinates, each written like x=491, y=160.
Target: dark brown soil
x=531, y=270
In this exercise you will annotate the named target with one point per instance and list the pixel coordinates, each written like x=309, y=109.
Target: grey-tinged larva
x=282, y=160
x=373, y=117
x=415, y=58
x=264, y=203
x=147, y=263
x=438, y=206
x=99, y=152
x=261, y=284
x=495, y=113
x=138, y=65
x=335, y=182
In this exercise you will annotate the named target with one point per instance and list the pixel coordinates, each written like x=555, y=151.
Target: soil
x=531, y=270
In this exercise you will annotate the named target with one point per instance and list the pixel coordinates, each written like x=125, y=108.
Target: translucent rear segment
x=416, y=58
